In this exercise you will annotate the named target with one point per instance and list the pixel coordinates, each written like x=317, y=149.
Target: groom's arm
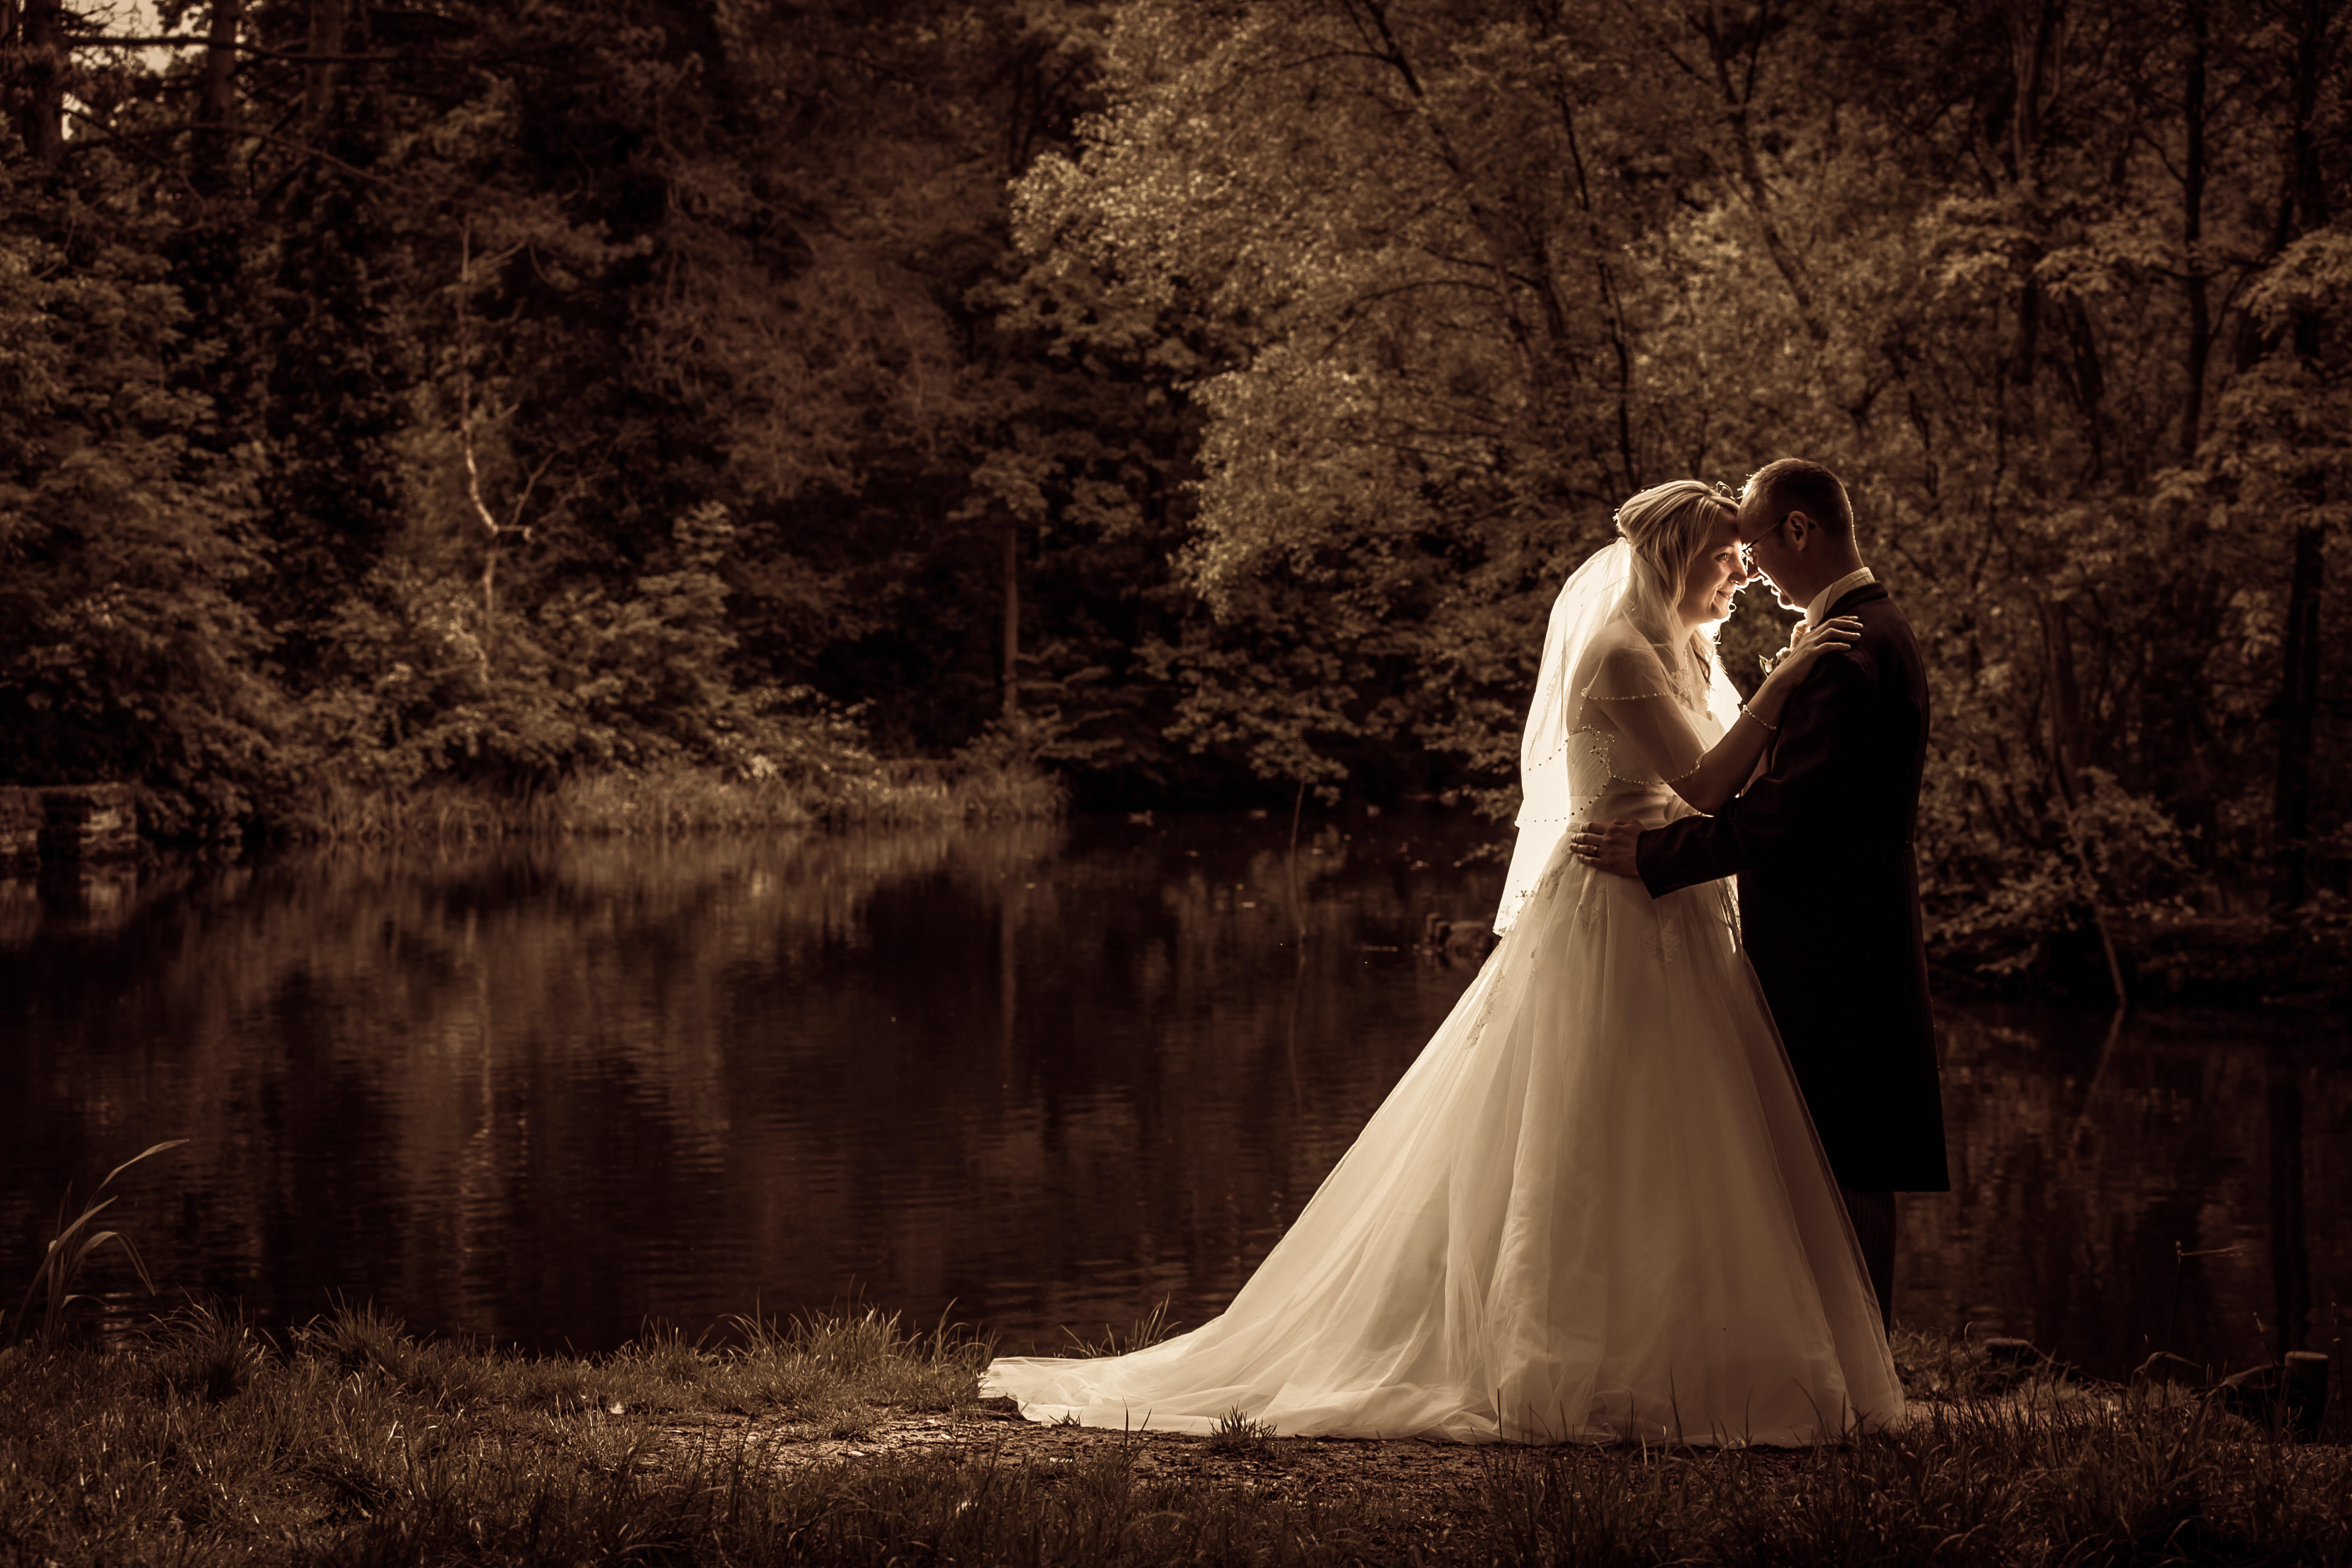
x=1811, y=784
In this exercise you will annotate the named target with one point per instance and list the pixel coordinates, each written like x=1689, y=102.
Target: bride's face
x=1715, y=576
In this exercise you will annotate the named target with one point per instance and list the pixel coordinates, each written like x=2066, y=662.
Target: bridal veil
x=1594, y=595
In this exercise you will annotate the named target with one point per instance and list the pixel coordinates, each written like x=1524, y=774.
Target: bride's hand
x=1807, y=644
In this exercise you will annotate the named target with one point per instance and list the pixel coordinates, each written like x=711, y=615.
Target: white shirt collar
x=1819, y=607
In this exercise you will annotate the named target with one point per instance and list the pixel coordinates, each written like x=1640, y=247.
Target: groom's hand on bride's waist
x=1609, y=847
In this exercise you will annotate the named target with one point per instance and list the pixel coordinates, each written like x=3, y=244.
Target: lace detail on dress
x=1670, y=934
x=1602, y=749
x=1595, y=899
x=1596, y=748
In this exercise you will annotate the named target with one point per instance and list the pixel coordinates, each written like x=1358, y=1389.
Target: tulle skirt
x=1594, y=1209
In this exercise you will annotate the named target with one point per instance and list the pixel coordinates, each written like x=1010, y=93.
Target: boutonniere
x=1765, y=661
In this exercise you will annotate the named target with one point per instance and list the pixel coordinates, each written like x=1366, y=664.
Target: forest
x=1194, y=402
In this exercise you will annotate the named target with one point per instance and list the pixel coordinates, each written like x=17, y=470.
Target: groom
x=1820, y=840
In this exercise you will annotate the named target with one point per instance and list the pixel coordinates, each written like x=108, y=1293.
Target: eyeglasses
x=1748, y=550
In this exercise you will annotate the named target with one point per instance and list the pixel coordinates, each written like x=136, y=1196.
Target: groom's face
x=1767, y=540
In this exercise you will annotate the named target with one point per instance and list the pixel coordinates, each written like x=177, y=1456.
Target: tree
x=126, y=538
x=1481, y=268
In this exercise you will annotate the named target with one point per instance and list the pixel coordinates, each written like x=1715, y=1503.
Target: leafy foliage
x=487, y=397
x=128, y=530
x=1476, y=270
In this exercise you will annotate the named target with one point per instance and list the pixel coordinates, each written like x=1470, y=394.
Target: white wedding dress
x=1594, y=1208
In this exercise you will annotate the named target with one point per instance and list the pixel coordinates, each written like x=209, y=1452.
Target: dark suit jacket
x=1829, y=898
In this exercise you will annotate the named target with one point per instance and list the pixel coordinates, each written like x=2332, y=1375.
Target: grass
x=2074, y=1482
x=1148, y=1329
x=354, y=1442
x=680, y=799
x=1236, y=1434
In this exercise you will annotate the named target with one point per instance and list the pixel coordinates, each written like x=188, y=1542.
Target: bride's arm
x=1708, y=777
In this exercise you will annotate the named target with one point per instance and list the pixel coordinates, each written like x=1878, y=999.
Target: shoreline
x=113, y=824
x=680, y=800
x=2294, y=961
x=845, y=1439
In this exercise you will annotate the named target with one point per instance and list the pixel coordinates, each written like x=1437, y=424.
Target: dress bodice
x=1582, y=763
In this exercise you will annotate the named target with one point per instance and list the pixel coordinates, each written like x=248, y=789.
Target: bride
x=1594, y=1208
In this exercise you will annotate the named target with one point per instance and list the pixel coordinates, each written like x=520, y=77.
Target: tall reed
x=63, y=1258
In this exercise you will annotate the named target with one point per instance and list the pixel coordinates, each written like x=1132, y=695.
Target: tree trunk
x=1012, y=623
x=2313, y=25
x=2192, y=233
x=2305, y=211
x=2298, y=704
x=2065, y=698
x=41, y=112
x=1612, y=306
x=326, y=38
x=217, y=106
x=1372, y=21
x=2302, y=200
x=2310, y=179
x=1008, y=984
x=1736, y=94
x=2066, y=750
x=2290, y=1245
x=217, y=98
x=2035, y=35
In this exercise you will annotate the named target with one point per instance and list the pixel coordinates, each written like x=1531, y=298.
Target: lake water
x=1048, y=1075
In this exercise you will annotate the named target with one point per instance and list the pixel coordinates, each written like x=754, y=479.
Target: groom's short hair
x=1793, y=484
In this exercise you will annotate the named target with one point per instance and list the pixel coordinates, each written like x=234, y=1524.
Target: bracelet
x=1758, y=717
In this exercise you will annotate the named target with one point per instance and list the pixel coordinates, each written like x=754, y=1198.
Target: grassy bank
x=680, y=799
x=846, y=1440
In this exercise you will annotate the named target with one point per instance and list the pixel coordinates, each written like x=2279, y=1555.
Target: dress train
x=1594, y=1209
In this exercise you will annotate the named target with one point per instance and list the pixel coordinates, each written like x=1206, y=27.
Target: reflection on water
x=1048, y=1074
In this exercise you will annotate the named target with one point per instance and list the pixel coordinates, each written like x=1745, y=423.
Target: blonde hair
x=1669, y=526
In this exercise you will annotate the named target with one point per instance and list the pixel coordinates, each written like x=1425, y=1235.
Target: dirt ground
x=1438, y=1478
x=1435, y=1483
x=1435, y=1487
